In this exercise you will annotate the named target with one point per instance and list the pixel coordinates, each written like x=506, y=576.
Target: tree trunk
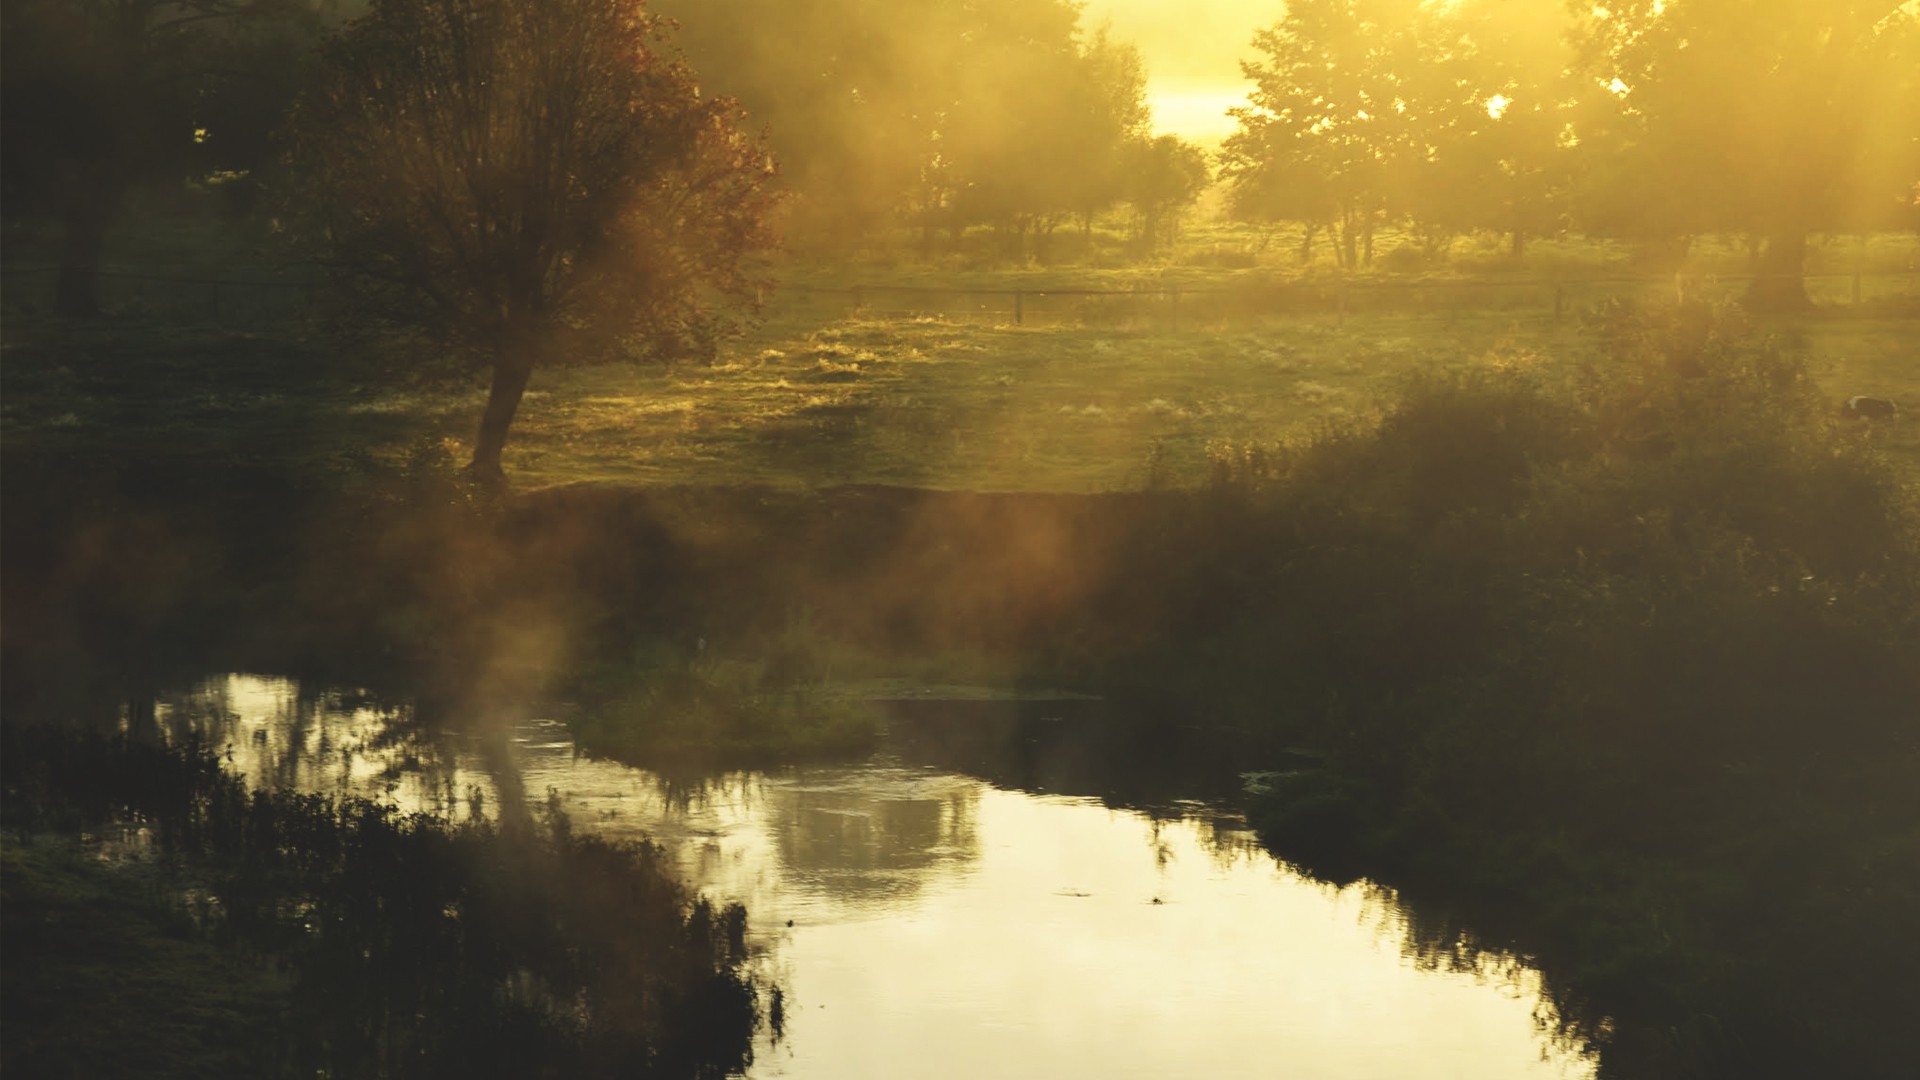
x=512, y=366
x=1306, y=243
x=1150, y=231
x=1043, y=241
x=1780, y=282
x=75, y=296
x=1518, y=248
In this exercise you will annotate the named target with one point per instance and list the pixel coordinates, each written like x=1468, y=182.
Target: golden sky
x=1193, y=50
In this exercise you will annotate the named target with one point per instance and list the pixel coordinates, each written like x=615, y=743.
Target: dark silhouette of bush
x=1611, y=654
x=409, y=945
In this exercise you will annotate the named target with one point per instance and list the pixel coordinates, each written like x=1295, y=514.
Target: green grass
x=279, y=934
x=106, y=978
x=819, y=396
x=930, y=388
x=1616, y=655
x=956, y=405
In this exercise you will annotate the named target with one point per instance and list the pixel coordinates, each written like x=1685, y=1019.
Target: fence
x=1896, y=294
x=1172, y=306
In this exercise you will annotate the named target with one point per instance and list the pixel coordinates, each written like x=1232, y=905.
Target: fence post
x=1859, y=263
x=1019, y=308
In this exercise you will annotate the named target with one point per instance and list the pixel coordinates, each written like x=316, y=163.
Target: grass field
x=942, y=404
x=926, y=401
x=917, y=383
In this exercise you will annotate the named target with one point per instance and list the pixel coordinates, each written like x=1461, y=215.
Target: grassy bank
x=1622, y=664
x=107, y=976
x=274, y=934
x=1591, y=631
x=898, y=392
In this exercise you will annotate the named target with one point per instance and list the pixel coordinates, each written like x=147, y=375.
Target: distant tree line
x=589, y=178
x=941, y=115
x=1649, y=120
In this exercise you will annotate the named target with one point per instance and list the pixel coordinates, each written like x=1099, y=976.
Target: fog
x=937, y=537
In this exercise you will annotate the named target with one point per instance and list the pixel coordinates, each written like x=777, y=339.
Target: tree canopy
x=933, y=113
x=1649, y=119
x=1779, y=118
x=531, y=180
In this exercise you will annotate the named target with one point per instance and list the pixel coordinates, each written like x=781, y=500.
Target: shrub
x=410, y=945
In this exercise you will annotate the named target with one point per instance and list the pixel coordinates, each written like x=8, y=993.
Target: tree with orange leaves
x=531, y=180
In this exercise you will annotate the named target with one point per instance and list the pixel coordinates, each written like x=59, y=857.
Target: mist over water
x=925, y=921
x=959, y=538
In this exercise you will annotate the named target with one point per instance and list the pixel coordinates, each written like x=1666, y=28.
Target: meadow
x=1586, y=628
x=924, y=377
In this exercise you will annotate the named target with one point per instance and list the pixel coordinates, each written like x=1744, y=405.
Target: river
x=940, y=910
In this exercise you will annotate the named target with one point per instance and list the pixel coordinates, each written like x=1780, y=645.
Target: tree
x=103, y=96
x=1112, y=123
x=1779, y=118
x=1504, y=158
x=1040, y=121
x=849, y=91
x=1337, y=118
x=1163, y=176
x=523, y=175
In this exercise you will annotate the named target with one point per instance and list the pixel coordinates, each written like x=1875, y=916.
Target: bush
x=410, y=945
x=1666, y=611
x=673, y=705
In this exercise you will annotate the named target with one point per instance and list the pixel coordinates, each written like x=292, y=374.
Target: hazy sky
x=1193, y=50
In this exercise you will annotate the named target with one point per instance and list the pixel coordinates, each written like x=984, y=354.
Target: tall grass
x=1627, y=646
x=402, y=944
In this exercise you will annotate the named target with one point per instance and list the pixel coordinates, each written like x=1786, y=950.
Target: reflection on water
x=922, y=921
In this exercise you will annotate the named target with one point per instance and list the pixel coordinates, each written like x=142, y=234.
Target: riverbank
x=1592, y=655
x=276, y=933
x=1628, y=672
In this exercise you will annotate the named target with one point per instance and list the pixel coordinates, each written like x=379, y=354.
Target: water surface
x=923, y=921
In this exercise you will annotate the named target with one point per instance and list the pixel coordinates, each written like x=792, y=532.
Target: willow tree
x=531, y=180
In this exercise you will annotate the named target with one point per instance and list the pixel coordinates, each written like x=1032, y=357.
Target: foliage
x=1570, y=634
x=1165, y=175
x=534, y=179
x=408, y=945
x=1777, y=117
x=931, y=113
x=92, y=950
x=1348, y=96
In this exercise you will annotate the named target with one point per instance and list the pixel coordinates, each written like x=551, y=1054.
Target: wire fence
x=1895, y=294
x=1168, y=306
